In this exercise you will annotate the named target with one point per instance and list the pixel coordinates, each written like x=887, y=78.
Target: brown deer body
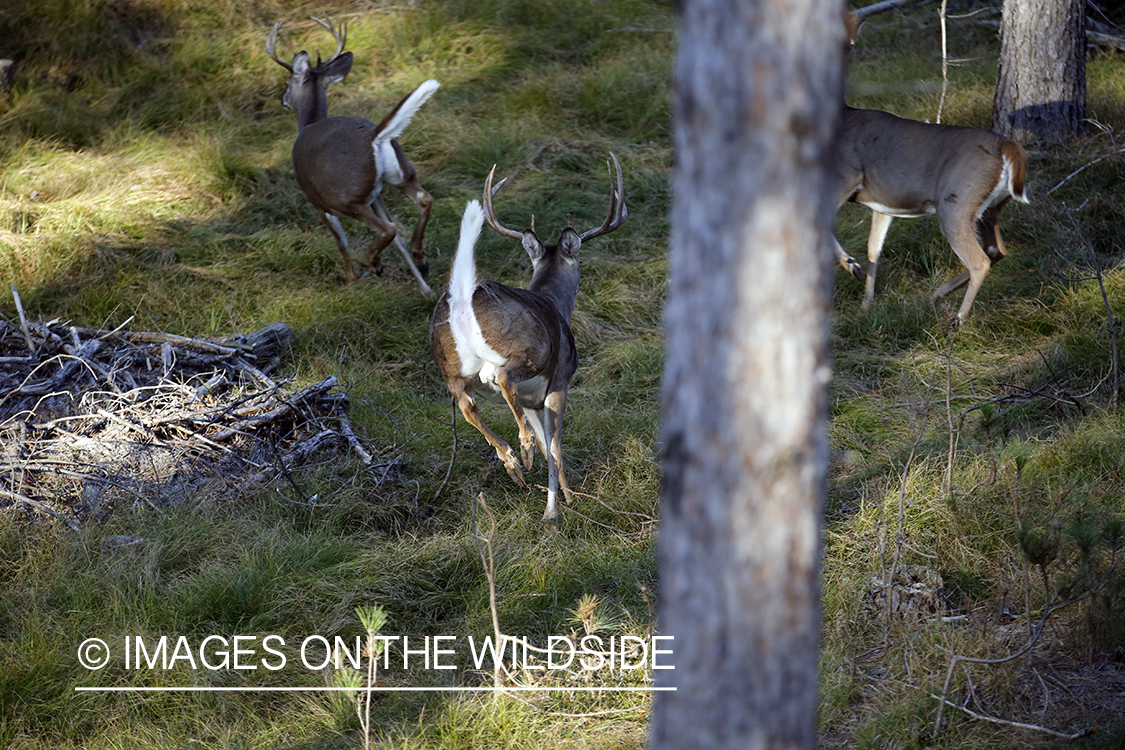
x=515, y=346
x=342, y=163
x=964, y=176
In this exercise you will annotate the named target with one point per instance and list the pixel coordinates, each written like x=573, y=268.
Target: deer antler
x=271, y=44
x=341, y=37
x=489, y=213
x=617, y=209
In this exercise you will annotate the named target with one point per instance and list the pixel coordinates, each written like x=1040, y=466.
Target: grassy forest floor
x=977, y=487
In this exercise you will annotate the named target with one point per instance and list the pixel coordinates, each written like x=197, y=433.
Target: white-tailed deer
x=905, y=168
x=515, y=346
x=342, y=163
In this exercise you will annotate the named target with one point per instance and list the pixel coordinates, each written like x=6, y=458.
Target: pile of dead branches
x=90, y=417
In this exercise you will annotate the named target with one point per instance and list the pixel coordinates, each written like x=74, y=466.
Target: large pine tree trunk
x=757, y=100
x=1041, y=89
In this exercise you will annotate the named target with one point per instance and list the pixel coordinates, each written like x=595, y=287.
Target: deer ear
x=532, y=245
x=339, y=68
x=301, y=66
x=569, y=243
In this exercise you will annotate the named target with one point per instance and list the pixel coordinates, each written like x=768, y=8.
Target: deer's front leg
x=337, y=230
x=554, y=407
x=880, y=223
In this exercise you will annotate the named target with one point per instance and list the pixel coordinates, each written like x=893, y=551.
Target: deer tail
x=1016, y=158
x=463, y=276
x=396, y=122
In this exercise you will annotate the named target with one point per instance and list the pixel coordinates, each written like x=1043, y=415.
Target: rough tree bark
x=1041, y=88
x=757, y=101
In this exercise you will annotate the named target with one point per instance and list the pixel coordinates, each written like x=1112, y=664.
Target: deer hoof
x=423, y=266
x=527, y=451
x=856, y=270
x=513, y=467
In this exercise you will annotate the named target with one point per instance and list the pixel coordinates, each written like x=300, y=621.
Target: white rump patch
x=386, y=164
x=1002, y=190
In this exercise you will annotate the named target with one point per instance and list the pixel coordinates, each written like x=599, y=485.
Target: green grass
x=144, y=171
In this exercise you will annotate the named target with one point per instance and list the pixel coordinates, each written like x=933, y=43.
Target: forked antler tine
x=617, y=209
x=340, y=36
x=271, y=43
x=489, y=213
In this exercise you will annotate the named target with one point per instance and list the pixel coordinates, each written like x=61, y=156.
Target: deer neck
x=558, y=282
x=312, y=109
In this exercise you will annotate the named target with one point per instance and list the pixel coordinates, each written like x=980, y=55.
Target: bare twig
x=43, y=508
x=301, y=451
x=944, y=62
x=1083, y=167
x=452, y=453
x=956, y=658
x=1096, y=269
x=353, y=441
x=23, y=321
x=953, y=432
x=164, y=338
x=484, y=547
x=870, y=10
x=1018, y=724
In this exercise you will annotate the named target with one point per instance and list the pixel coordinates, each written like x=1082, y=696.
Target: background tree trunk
x=757, y=100
x=1041, y=88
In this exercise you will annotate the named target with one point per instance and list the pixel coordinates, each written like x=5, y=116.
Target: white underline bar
x=373, y=689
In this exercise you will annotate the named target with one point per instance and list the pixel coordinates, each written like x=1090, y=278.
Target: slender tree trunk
x=1041, y=88
x=757, y=102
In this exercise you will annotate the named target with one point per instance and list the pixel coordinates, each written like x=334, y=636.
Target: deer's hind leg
x=424, y=202
x=384, y=230
x=504, y=452
x=527, y=433
x=960, y=230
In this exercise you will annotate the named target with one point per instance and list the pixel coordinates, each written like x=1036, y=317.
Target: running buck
x=342, y=163
x=515, y=346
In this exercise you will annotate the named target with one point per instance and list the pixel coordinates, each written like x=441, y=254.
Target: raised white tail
x=463, y=275
x=396, y=122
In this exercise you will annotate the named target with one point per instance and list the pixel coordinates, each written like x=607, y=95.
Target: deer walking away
x=342, y=163
x=515, y=346
x=964, y=176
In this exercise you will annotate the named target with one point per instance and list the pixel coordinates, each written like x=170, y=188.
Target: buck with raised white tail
x=515, y=346
x=342, y=163
x=964, y=176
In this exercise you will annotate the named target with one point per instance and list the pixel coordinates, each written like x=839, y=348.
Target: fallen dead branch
x=90, y=417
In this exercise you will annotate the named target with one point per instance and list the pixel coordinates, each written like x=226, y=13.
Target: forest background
x=975, y=503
